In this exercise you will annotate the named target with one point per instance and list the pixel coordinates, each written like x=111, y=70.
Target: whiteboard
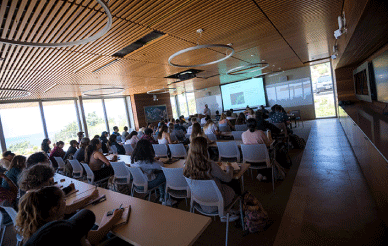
x=213, y=102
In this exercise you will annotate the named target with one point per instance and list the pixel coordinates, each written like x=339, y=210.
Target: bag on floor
x=255, y=217
x=282, y=156
x=297, y=142
x=278, y=171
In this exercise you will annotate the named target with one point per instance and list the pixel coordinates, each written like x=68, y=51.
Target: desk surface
x=149, y=223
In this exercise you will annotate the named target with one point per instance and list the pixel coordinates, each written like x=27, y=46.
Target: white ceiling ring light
x=247, y=68
x=106, y=91
x=98, y=35
x=161, y=91
x=205, y=46
x=19, y=93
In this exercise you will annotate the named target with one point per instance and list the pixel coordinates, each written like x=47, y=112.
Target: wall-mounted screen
x=380, y=68
x=362, y=87
x=240, y=94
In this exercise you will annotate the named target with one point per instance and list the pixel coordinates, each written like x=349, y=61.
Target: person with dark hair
x=95, y=136
x=180, y=126
x=264, y=112
x=229, y=115
x=197, y=132
x=46, y=146
x=97, y=161
x=79, y=155
x=193, y=121
x=40, y=220
x=218, y=116
x=265, y=125
x=143, y=156
x=71, y=150
x=148, y=136
x=132, y=139
x=115, y=131
x=241, y=120
x=57, y=152
x=18, y=163
x=278, y=116
x=37, y=158
x=80, y=136
x=164, y=136
x=104, y=141
x=254, y=136
x=125, y=133
x=112, y=142
x=5, y=162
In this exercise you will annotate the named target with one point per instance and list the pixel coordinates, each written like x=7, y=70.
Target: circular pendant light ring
x=98, y=35
x=243, y=69
x=205, y=46
x=160, y=91
x=105, y=91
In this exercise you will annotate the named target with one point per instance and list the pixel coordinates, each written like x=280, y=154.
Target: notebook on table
x=124, y=218
x=235, y=166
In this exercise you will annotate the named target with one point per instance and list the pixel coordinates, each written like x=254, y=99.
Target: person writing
x=163, y=136
x=5, y=162
x=225, y=123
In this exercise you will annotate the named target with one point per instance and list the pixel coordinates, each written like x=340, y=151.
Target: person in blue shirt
x=18, y=163
x=116, y=131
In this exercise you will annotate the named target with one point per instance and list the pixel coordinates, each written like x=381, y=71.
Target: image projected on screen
x=240, y=94
x=237, y=98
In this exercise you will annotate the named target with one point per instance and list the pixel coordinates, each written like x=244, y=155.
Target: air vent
x=139, y=43
x=185, y=75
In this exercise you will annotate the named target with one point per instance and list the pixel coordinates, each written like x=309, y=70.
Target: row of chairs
x=128, y=149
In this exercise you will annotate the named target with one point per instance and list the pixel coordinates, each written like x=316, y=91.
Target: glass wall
x=22, y=126
x=173, y=106
x=94, y=114
x=182, y=104
x=191, y=103
x=61, y=121
x=115, y=109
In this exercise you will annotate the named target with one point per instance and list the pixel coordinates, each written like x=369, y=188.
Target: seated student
x=71, y=150
x=104, y=142
x=264, y=112
x=148, y=136
x=112, y=142
x=250, y=114
x=8, y=196
x=229, y=115
x=37, y=158
x=80, y=136
x=225, y=122
x=132, y=139
x=218, y=116
x=41, y=175
x=45, y=147
x=5, y=162
x=241, y=120
x=179, y=125
x=97, y=161
x=57, y=152
x=125, y=133
x=140, y=132
x=199, y=167
x=198, y=132
x=18, y=163
x=143, y=156
x=163, y=135
x=79, y=155
x=265, y=125
x=95, y=136
x=40, y=220
x=210, y=128
x=253, y=136
x=278, y=116
x=115, y=131
x=193, y=121
x=204, y=119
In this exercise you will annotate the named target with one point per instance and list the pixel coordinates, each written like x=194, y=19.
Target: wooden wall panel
x=345, y=84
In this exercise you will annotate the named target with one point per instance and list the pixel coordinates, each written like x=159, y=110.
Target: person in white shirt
x=206, y=111
x=190, y=129
x=205, y=119
x=132, y=139
x=210, y=128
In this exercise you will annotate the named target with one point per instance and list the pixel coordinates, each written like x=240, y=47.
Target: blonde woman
x=210, y=128
x=225, y=122
x=197, y=132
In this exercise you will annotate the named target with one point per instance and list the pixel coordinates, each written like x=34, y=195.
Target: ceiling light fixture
x=247, y=68
x=78, y=42
x=50, y=88
x=155, y=98
x=161, y=91
x=19, y=92
x=105, y=91
x=198, y=47
x=106, y=65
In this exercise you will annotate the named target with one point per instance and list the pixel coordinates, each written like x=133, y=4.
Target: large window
x=115, y=109
x=22, y=126
x=182, y=104
x=61, y=121
x=173, y=107
x=191, y=103
x=94, y=114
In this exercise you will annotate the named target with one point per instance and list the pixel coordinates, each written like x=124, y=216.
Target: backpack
x=297, y=142
x=282, y=156
x=255, y=217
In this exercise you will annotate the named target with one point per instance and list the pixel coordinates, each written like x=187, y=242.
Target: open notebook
x=124, y=218
x=235, y=166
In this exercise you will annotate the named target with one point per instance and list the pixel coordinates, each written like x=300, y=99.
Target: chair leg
x=251, y=174
x=227, y=229
x=149, y=196
x=273, y=180
x=242, y=181
x=241, y=215
x=2, y=235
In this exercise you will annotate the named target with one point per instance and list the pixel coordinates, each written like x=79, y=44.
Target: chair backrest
x=11, y=212
x=160, y=150
x=241, y=127
x=77, y=169
x=173, y=137
x=237, y=135
x=155, y=136
x=175, y=179
x=61, y=163
x=139, y=178
x=212, y=137
x=121, y=171
x=224, y=128
x=178, y=150
x=114, y=149
x=255, y=153
x=89, y=173
x=282, y=126
x=128, y=149
x=187, y=135
x=228, y=150
x=206, y=192
x=296, y=113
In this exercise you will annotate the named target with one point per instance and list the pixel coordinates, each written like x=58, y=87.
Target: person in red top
x=57, y=152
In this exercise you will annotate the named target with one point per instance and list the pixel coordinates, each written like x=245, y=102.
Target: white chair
x=160, y=150
x=212, y=137
x=114, y=149
x=177, y=150
x=90, y=176
x=176, y=185
x=121, y=172
x=224, y=128
x=128, y=149
x=77, y=169
x=61, y=164
x=140, y=182
x=237, y=135
x=241, y=127
x=257, y=153
x=12, y=213
x=155, y=136
x=228, y=150
x=206, y=193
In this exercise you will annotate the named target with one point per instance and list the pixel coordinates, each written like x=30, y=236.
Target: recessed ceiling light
x=263, y=60
x=230, y=44
x=252, y=55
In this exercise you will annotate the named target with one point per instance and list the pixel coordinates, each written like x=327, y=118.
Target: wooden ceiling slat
x=8, y=21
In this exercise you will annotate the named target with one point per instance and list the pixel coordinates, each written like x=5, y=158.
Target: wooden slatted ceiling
x=239, y=22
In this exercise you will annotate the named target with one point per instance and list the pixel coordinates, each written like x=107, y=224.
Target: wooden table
x=149, y=223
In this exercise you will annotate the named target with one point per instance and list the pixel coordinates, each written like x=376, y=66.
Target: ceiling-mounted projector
x=341, y=26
